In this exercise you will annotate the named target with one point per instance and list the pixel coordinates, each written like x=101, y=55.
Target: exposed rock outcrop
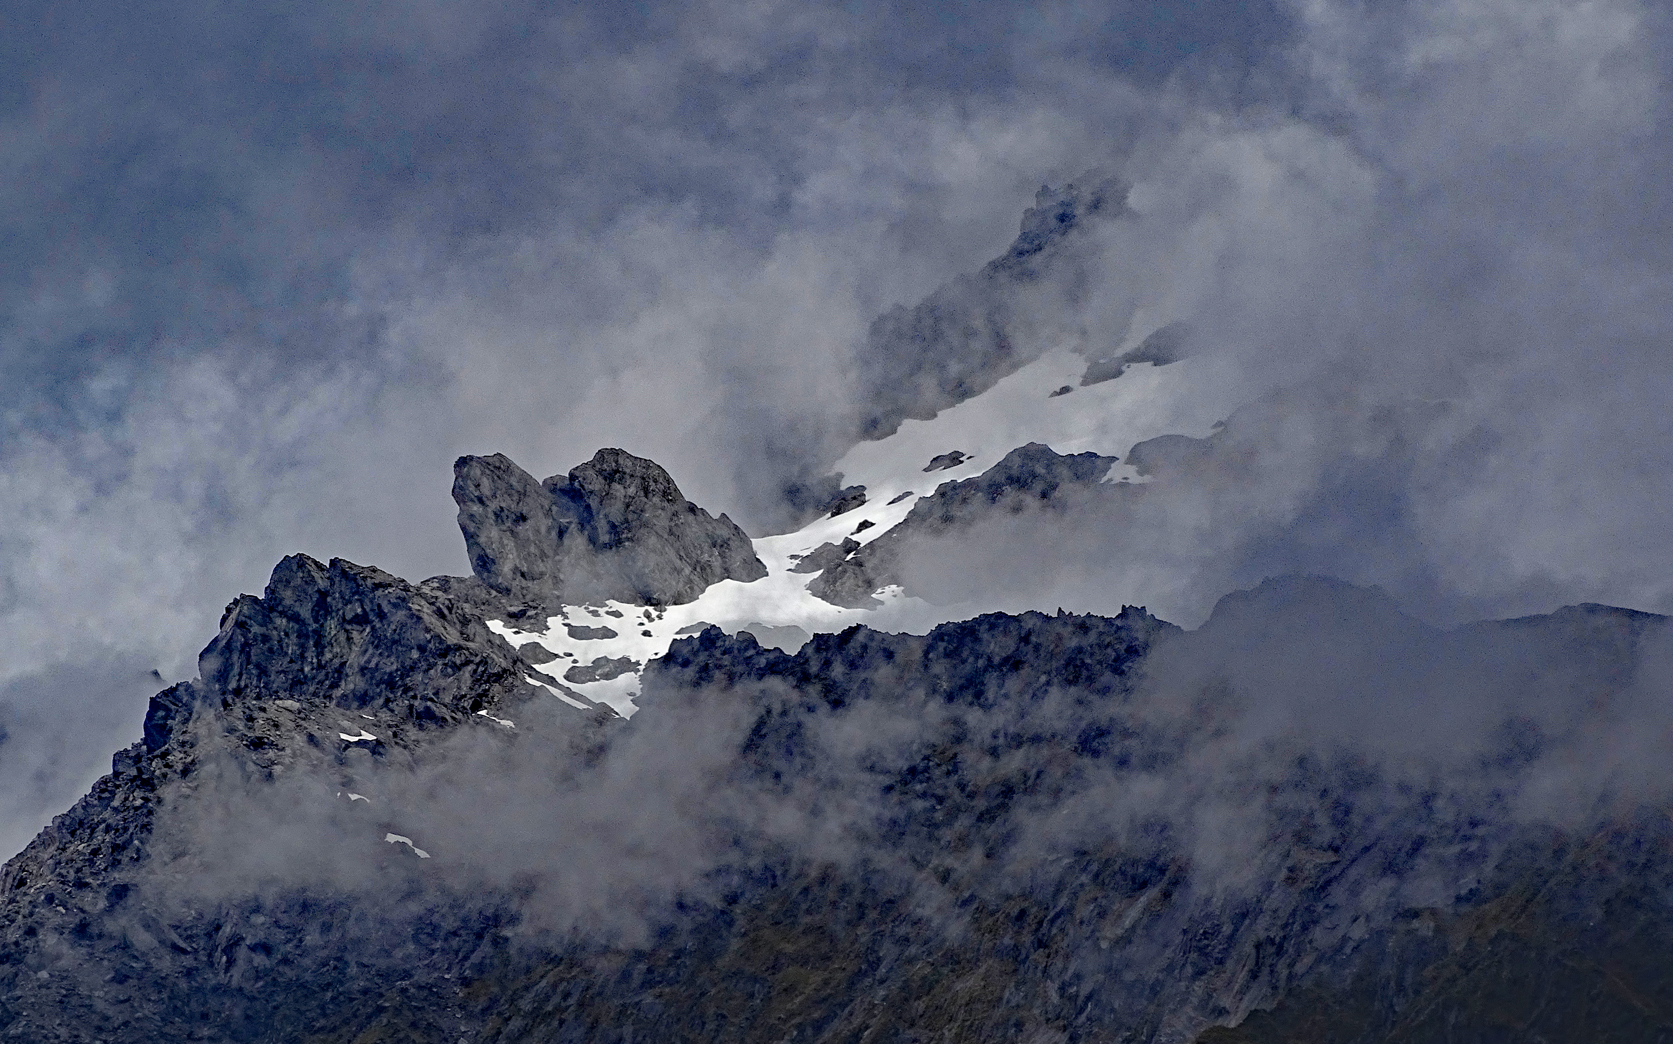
x=943, y=461
x=825, y=555
x=1314, y=819
x=1030, y=478
x=616, y=527
x=1007, y=829
x=113, y=926
x=962, y=339
x=850, y=498
x=602, y=668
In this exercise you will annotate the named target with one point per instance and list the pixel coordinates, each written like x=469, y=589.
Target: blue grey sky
x=265, y=270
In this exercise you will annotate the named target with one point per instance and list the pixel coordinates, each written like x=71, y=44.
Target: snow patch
x=1184, y=398
x=397, y=839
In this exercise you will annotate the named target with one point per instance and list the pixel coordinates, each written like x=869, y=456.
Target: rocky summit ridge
x=370, y=819
x=553, y=802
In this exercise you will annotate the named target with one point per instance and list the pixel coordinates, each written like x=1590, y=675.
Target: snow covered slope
x=600, y=648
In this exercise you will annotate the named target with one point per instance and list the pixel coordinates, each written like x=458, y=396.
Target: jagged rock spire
x=616, y=527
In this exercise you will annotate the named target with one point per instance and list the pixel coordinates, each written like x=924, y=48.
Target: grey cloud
x=266, y=273
x=1446, y=302
x=58, y=728
x=1305, y=720
x=266, y=270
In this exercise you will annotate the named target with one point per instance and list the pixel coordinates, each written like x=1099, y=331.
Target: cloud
x=1310, y=756
x=1444, y=293
x=264, y=272
x=58, y=728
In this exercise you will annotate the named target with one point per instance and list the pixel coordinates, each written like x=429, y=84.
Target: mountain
x=969, y=334
x=617, y=527
x=371, y=818
x=640, y=777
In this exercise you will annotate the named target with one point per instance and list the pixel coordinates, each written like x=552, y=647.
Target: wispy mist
x=266, y=272
x=1311, y=756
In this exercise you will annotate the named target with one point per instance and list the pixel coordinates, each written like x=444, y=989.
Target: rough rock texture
x=105, y=934
x=1575, y=950
x=966, y=923
x=849, y=499
x=616, y=527
x=351, y=636
x=962, y=339
x=584, y=633
x=943, y=461
x=999, y=831
x=1030, y=478
x=602, y=668
x=826, y=555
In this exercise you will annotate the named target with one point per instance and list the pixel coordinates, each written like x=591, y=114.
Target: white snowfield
x=1108, y=418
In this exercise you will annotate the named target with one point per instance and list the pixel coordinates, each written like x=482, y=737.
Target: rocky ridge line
x=1028, y=479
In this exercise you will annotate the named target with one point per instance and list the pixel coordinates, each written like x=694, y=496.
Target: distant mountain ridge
x=640, y=777
x=1013, y=802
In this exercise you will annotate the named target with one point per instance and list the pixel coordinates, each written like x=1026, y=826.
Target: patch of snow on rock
x=1187, y=397
x=397, y=839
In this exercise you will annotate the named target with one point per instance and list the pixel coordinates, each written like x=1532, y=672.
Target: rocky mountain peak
x=1057, y=211
x=613, y=528
x=609, y=494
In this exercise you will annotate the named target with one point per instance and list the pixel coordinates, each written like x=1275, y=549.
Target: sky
x=266, y=270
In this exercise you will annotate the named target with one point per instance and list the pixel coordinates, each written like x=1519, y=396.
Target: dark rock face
x=826, y=555
x=1575, y=949
x=616, y=527
x=943, y=461
x=849, y=499
x=352, y=636
x=603, y=668
x=584, y=633
x=104, y=935
x=1030, y=478
x=962, y=339
x=533, y=653
x=1095, y=939
x=1007, y=829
